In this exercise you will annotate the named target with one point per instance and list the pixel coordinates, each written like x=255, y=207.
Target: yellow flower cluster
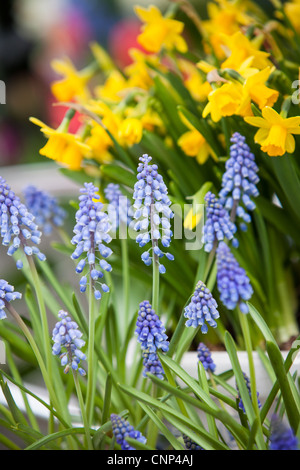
x=232, y=76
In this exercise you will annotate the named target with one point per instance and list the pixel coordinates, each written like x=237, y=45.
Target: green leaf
x=201, y=125
x=162, y=427
x=118, y=174
x=287, y=176
x=240, y=380
x=53, y=437
x=137, y=444
x=292, y=410
x=174, y=413
x=15, y=411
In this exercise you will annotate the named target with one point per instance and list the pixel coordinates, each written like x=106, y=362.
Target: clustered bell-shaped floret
x=189, y=444
x=7, y=294
x=239, y=180
x=122, y=429
x=152, y=337
x=17, y=225
x=91, y=236
x=232, y=281
x=68, y=343
x=119, y=210
x=202, y=309
x=247, y=381
x=282, y=437
x=218, y=225
x=205, y=357
x=45, y=208
x=152, y=212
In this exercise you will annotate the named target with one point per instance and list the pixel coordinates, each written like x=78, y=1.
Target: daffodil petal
x=257, y=121
x=290, y=143
x=271, y=116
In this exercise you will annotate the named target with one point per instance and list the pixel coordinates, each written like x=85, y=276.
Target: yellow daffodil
x=63, y=147
x=194, y=144
x=292, y=11
x=99, y=141
x=258, y=91
x=192, y=219
x=227, y=100
x=151, y=120
x=275, y=132
x=225, y=18
x=158, y=31
x=138, y=72
x=110, y=120
x=112, y=88
x=130, y=131
x=242, y=48
x=192, y=79
x=74, y=83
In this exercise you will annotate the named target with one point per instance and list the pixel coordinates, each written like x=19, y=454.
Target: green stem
x=155, y=286
x=37, y=353
x=247, y=338
x=43, y=313
x=91, y=370
x=152, y=428
x=126, y=281
x=83, y=411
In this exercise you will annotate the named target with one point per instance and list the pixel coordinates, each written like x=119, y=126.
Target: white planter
x=223, y=364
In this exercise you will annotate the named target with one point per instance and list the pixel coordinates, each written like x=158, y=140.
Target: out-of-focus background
x=34, y=32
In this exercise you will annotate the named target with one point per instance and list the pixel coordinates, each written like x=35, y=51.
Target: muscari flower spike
x=152, y=212
x=152, y=364
x=282, y=436
x=45, y=208
x=240, y=404
x=204, y=356
x=17, y=225
x=91, y=236
x=7, y=294
x=218, y=225
x=232, y=281
x=119, y=210
x=202, y=309
x=239, y=180
x=189, y=444
x=122, y=429
x=152, y=337
x=68, y=343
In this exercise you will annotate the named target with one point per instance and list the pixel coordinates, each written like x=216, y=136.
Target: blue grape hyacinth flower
x=68, y=343
x=91, y=238
x=152, y=212
x=282, y=436
x=240, y=404
x=232, y=281
x=45, y=208
x=239, y=181
x=202, y=309
x=17, y=225
x=122, y=429
x=7, y=294
x=217, y=226
x=152, y=364
x=119, y=207
x=152, y=337
x=189, y=444
x=205, y=357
